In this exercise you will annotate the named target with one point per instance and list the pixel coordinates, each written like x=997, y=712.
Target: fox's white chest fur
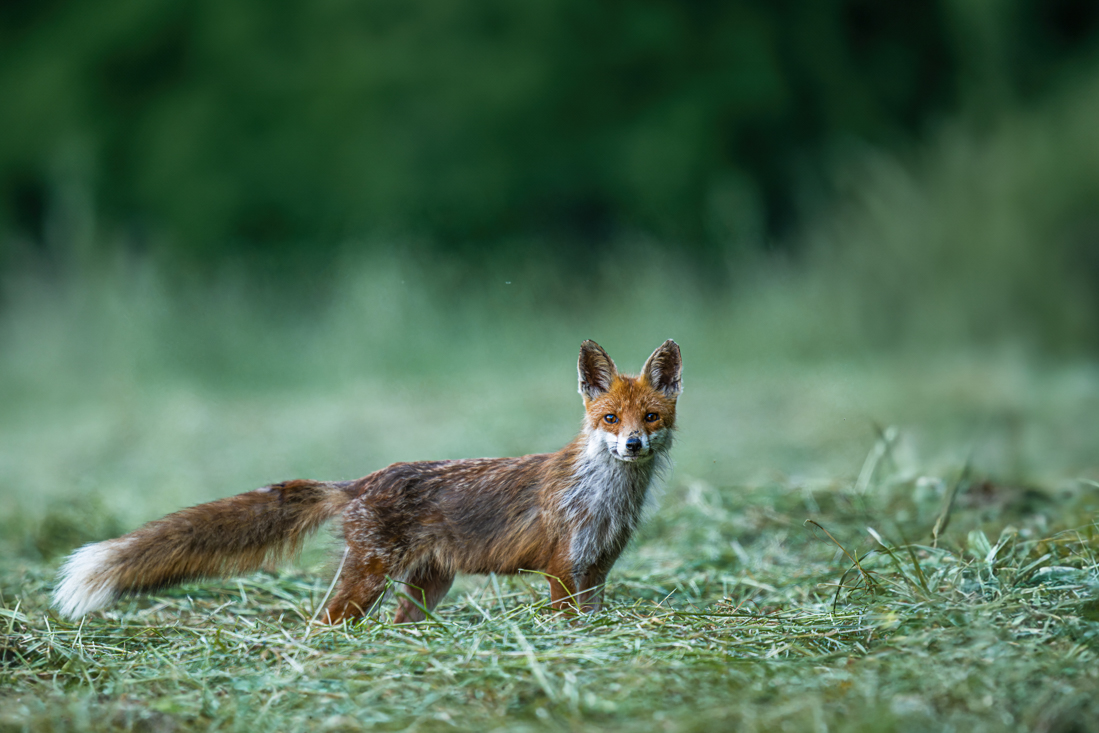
x=607, y=500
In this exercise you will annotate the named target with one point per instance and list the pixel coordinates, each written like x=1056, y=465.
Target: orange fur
x=567, y=514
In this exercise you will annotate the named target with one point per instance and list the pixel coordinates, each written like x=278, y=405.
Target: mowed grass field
x=848, y=541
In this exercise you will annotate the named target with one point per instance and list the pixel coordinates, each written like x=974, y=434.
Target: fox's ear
x=596, y=369
x=664, y=369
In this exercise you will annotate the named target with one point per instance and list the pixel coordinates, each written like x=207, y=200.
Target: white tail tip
x=84, y=581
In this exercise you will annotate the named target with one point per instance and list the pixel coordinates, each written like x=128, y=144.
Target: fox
x=566, y=515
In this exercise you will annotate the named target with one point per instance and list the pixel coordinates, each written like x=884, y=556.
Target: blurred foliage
x=933, y=164
x=212, y=128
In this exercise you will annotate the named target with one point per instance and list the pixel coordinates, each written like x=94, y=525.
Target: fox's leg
x=362, y=584
x=425, y=587
x=369, y=563
x=562, y=584
x=590, y=585
x=379, y=547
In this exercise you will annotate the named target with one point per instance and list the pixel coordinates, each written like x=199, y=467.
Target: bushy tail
x=225, y=537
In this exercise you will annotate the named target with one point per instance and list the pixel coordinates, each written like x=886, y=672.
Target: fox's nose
x=633, y=445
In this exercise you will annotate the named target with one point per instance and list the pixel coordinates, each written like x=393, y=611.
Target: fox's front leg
x=576, y=591
x=562, y=584
x=423, y=590
x=590, y=595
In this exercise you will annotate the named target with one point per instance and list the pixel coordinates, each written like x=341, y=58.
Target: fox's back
x=480, y=515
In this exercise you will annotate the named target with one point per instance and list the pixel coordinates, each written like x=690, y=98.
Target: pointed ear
x=596, y=369
x=664, y=369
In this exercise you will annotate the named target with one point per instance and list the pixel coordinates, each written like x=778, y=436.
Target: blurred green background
x=208, y=130
x=245, y=241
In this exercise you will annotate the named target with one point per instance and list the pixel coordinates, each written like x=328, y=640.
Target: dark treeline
x=215, y=128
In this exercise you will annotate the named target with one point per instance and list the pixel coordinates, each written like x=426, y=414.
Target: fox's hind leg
x=361, y=586
x=378, y=548
x=424, y=588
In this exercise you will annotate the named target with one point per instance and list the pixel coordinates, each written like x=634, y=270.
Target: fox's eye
x=652, y=417
x=610, y=419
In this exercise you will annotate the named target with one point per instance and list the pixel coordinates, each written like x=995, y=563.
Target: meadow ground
x=846, y=542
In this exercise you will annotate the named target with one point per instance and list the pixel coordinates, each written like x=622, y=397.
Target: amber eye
x=652, y=417
x=610, y=419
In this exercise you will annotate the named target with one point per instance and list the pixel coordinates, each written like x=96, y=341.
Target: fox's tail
x=225, y=537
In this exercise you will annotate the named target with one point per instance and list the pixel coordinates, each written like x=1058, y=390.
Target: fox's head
x=632, y=417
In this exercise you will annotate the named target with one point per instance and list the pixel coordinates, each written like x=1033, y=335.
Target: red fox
x=567, y=514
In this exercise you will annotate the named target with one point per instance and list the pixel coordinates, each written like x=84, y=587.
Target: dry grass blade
x=943, y=520
x=867, y=578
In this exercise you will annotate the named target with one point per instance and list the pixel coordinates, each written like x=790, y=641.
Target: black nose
x=633, y=445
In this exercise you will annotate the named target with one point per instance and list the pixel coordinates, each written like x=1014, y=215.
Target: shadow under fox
x=567, y=514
